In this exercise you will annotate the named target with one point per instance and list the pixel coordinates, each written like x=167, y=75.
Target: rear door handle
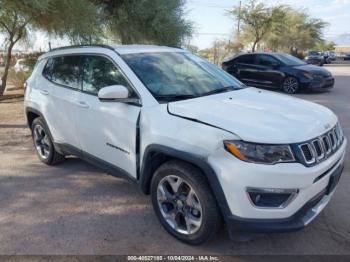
x=44, y=92
x=82, y=104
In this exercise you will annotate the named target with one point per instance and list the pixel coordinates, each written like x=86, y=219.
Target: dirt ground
x=74, y=208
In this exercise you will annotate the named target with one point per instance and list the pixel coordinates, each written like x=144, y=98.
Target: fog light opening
x=270, y=197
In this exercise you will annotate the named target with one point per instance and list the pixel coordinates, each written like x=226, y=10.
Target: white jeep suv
x=205, y=147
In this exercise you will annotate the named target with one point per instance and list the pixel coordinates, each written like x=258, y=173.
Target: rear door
x=244, y=68
x=107, y=130
x=61, y=86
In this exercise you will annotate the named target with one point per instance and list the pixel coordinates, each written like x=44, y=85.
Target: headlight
x=307, y=75
x=260, y=153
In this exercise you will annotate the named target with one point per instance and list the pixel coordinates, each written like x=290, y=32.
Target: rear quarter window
x=47, y=71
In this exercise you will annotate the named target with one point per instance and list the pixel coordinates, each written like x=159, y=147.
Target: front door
x=107, y=130
x=268, y=72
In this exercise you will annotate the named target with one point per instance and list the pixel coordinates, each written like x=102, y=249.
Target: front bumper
x=236, y=176
x=296, y=222
x=318, y=84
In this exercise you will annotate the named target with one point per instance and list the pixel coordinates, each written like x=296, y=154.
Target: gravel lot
x=75, y=208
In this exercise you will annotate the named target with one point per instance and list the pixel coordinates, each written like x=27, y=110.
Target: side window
x=266, y=60
x=246, y=59
x=47, y=72
x=65, y=71
x=99, y=72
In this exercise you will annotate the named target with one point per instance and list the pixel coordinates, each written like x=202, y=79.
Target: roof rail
x=82, y=46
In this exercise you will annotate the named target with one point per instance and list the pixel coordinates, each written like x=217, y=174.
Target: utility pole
x=239, y=19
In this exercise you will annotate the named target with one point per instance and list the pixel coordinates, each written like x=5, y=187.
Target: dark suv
x=279, y=71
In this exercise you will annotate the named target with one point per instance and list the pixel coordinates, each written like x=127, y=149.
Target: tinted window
x=266, y=60
x=246, y=59
x=47, y=72
x=99, y=72
x=289, y=60
x=65, y=71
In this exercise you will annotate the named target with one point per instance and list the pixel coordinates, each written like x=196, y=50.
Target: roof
x=120, y=49
x=131, y=49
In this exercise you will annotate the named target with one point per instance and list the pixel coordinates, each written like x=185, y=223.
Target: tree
x=256, y=20
x=293, y=29
x=325, y=46
x=146, y=21
x=14, y=27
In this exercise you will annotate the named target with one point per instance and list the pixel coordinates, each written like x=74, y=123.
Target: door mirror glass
x=115, y=92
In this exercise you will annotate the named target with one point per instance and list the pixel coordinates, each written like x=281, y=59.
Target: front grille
x=320, y=148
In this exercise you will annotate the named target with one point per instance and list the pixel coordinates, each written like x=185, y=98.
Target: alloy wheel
x=179, y=205
x=41, y=141
x=290, y=85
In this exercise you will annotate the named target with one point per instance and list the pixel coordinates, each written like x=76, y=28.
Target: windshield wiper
x=220, y=90
x=174, y=97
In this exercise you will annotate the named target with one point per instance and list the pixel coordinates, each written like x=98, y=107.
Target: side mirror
x=116, y=93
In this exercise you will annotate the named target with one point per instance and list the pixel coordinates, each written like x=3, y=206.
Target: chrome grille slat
x=319, y=151
x=320, y=148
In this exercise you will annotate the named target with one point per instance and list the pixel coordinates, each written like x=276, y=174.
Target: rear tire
x=184, y=203
x=290, y=85
x=44, y=146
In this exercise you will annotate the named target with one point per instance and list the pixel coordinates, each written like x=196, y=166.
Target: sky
x=212, y=22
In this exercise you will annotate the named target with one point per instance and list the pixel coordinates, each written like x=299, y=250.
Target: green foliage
x=294, y=30
x=147, y=21
x=74, y=19
x=279, y=27
x=325, y=46
x=256, y=20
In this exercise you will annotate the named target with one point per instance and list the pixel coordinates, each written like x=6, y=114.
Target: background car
x=326, y=57
x=315, y=58
x=332, y=55
x=278, y=71
x=347, y=57
x=21, y=65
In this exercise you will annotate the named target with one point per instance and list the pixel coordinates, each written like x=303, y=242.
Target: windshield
x=171, y=76
x=314, y=53
x=290, y=60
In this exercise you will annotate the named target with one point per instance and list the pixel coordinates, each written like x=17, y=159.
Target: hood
x=314, y=69
x=259, y=116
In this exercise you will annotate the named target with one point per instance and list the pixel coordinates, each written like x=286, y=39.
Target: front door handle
x=82, y=104
x=44, y=92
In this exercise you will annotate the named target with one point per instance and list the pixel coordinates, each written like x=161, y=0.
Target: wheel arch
x=32, y=114
x=155, y=155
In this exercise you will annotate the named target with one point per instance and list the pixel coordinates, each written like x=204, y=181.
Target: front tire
x=290, y=85
x=43, y=143
x=183, y=202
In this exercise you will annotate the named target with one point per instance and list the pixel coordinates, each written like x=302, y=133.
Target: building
x=342, y=49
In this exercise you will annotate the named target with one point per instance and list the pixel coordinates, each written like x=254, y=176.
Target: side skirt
x=110, y=169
